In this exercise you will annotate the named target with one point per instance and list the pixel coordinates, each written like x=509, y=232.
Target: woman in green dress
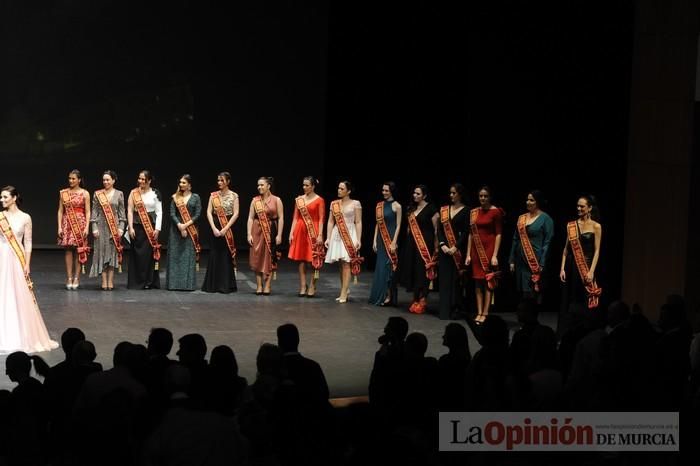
x=182, y=256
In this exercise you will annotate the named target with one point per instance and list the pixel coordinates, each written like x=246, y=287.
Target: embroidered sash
x=355, y=258
x=592, y=289
x=318, y=251
x=529, y=252
x=384, y=233
x=266, y=227
x=450, y=235
x=111, y=218
x=429, y=260
x=221, y=215
x=147, y=225
x=83, y=249
x=491, y=276
x=14, y=244
x=192, y=230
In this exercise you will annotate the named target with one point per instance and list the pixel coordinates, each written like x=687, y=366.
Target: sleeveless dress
x=300, y=247
x=260, y=260
x=383, y=279
x=21, y=325
x=220, y=276
x=68, y=239
x=336, y=249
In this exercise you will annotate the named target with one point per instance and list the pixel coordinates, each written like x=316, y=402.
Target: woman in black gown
x=451, y=258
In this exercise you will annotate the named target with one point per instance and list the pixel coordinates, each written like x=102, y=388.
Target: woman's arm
x=358, y=224
x=598, y=229
x=280, y=220
x=86, y=196
x=130, y=216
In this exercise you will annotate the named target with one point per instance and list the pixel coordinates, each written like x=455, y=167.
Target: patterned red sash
x=259, y=206
x=318, y=251
x=491, y=276
x=592, y=289
x=384, y=233
x=221, y=215
x=147, y=225
x=83, y=249
x=535, y=269
x=429, y=260
x=192, y=230
x=355, y=258
x=450, y=235
x=111, y=223
x=14, y=244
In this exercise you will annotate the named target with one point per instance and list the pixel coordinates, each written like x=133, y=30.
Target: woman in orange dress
x=67, y=238
x=301, y=242
x=263, y=257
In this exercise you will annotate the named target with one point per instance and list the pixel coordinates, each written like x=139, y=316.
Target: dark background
x=512, y=94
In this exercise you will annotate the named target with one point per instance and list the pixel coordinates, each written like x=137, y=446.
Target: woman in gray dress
x=105, y=256
x=182, y=256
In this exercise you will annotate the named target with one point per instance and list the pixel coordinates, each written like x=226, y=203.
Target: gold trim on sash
x=228, y=236
x=318, y=251
x=592, y=289
x=83, y=249
x=384, y=233
x=355, y=258
x=111, y=218
x=266, y=229
x=429, y=260
x=490, y=276
x=529, y=252
x=147, y=226
x=450, y=235
x=191, y=229
x=6, y=229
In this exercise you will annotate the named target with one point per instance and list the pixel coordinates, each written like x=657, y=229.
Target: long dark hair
x=412, y=206
x=187, y=178
x=111, y=173
x=392, y=188
x=13, y=192
x=593, y=204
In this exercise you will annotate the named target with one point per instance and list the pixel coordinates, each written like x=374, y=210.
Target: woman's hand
x=250, y=240
x=512, y=267
x=216, y=232
x=393, y=247
x=319, y=239
x=132, y=232
x=278, y=240
x=60, y=232
x=96, y=234
x=468, y=260
x=589, y=277
x=494, y=261
x=155, y=234
x=562, y=276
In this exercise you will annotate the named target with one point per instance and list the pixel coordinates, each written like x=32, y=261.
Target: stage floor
x=342, y=338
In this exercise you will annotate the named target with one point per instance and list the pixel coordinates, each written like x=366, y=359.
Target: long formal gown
x=21, y=325
x=260, y=260
x=489, y=224
x=412, y=266
x=220, y=276
x=104, y=253
x=540, y=233
x=574, y=292
x=451, y=281
x=384, y=279
x=77, y=200
x=182, y=257
x=336, y=248
x=142, y=273
x=300, y=246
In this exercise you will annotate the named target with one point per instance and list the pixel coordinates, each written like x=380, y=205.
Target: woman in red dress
x=80, y=201
x=488, y=221
x=300, y=241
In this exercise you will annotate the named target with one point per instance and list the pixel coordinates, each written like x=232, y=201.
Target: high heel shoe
x=302, y=294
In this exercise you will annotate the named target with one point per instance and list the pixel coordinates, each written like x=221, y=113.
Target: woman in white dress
x=21, y=328
x=337, y=252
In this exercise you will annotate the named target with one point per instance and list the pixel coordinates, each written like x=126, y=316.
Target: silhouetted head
x=269, y=360
x=416, y=345
x=223, y=359
x=69, y=338
x=395, y=330
x=288, y=338
x=18, y=365
x=193, y=348
x=160, y=342
x=177, y=379
x=455, y=337
x=84, y=353
x=618, y=312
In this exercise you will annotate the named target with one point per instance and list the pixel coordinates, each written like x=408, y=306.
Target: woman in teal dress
x=384, y=289
x=182, y=257
x=540, y=229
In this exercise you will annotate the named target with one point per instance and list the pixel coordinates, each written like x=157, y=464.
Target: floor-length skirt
x=182, y=262
x=220, y=276
x=384, y=280
x=142, y=273
x=21, y=325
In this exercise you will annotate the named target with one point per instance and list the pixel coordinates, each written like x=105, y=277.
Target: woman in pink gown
x=21, y=325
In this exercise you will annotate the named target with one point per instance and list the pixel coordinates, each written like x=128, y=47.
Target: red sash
x=111, y=218
x=14, y=244
x=318, y=251
x=221, y=215
x=83, y=249
x=491, y=277
x=384, y=233
x=192, y=230
x=529, y=252
x=355, y=258
x=147, y=226
x=450, y=235
x=429, y=260
x=592, y=289
x=266, y=228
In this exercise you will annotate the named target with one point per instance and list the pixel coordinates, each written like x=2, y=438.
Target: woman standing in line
x=183, y=241
x=22, y=327
x=108, y=224
x=343, y=243
x=306, y=235
x=222, y=213
x=452, y=242
x=386, y=235
x=73, y=221
x=265, y=223
x=145, y=217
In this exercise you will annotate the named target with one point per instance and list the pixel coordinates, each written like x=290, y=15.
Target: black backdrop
x=510, y=94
